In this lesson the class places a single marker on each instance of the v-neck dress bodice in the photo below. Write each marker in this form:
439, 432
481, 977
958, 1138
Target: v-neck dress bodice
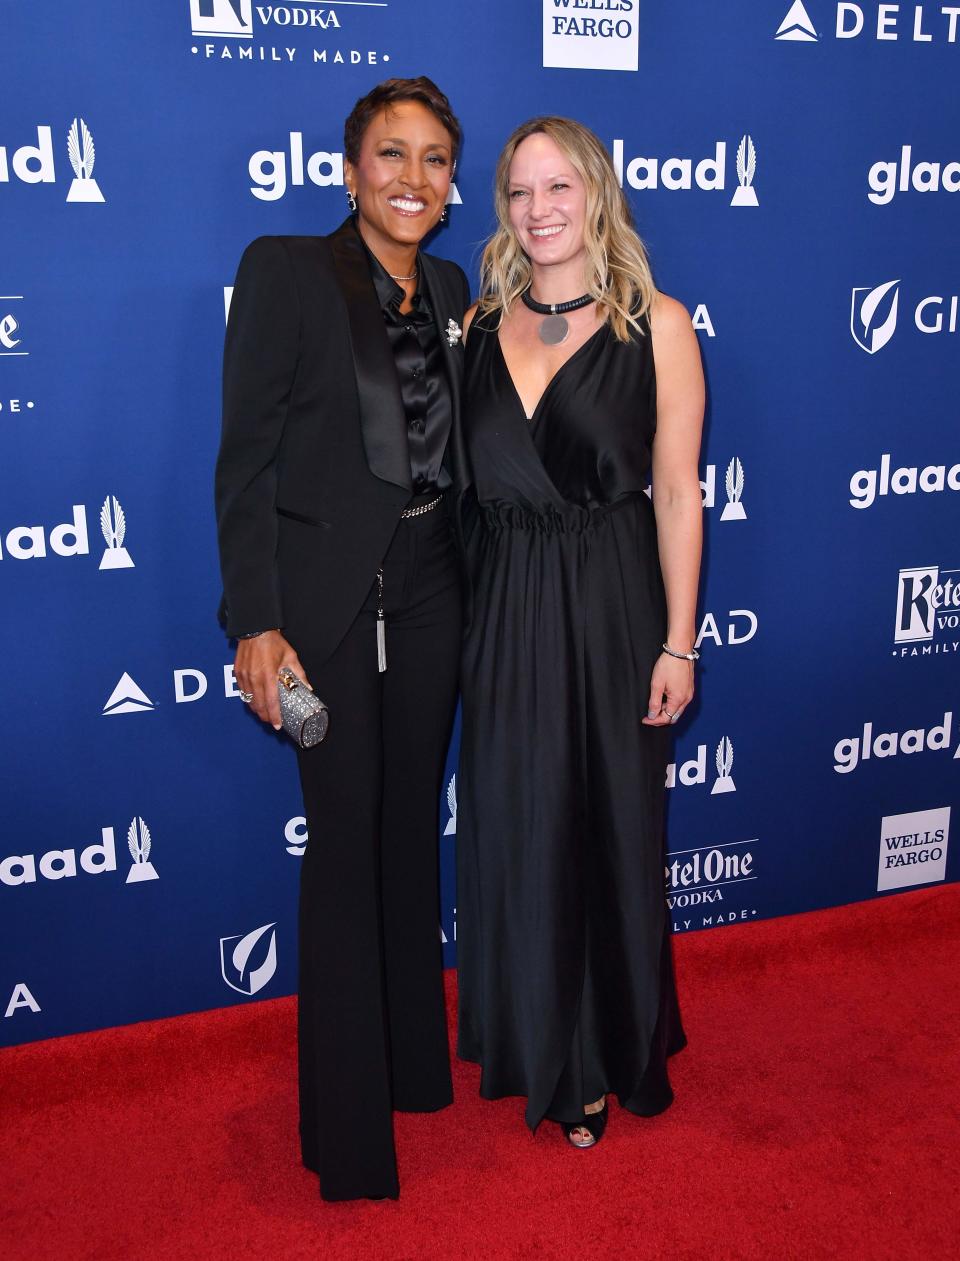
566, 984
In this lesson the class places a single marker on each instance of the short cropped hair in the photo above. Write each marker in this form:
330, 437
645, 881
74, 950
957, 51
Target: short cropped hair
391, 92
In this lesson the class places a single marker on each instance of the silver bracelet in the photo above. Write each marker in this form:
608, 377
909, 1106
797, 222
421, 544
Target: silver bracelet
692, 655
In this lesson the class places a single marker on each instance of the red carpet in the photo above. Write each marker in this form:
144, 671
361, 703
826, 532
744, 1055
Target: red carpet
816, 1116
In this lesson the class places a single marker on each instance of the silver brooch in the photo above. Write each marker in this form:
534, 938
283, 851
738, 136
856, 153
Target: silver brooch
454, 332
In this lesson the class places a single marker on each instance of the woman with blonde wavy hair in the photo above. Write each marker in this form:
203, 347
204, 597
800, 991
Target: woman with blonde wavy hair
582, 384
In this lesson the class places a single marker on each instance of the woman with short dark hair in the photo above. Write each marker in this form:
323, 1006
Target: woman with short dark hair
340, 443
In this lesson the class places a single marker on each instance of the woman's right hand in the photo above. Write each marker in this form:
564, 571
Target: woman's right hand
258, 663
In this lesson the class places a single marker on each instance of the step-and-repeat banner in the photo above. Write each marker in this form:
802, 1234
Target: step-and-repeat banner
794, 170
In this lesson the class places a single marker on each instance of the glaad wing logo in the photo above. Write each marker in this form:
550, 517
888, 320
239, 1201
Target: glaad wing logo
128, 698
451, 828
138, 843
797, 25
873, 315
114, 526
724, 760
745, 194
81, 153
238, 956
734, 509
229, 19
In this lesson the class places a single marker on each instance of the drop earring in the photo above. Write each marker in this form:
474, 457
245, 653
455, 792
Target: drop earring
443, 215
351, 202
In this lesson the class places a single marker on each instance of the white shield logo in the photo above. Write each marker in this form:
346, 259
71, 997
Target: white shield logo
249, 960
873, 315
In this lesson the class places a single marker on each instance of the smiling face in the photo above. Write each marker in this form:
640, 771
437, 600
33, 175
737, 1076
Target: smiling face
548, 204
401, 178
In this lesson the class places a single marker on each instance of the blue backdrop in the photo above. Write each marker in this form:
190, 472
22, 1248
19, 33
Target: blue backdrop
794, 171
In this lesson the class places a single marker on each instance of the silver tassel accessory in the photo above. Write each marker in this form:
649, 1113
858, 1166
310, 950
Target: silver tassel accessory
381, 626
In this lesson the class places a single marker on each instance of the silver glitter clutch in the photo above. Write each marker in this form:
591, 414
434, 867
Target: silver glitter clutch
304, 716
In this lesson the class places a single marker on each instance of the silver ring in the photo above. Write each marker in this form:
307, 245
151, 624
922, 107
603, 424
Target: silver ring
246, 697
675, 717
669, 715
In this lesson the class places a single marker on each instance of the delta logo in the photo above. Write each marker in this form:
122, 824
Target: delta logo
916, 23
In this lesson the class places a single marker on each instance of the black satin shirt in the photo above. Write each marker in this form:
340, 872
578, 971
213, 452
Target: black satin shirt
415, 343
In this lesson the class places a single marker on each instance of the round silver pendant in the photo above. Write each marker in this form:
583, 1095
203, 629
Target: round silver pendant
554, 330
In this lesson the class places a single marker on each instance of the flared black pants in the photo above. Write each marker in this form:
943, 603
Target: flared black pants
372, 1028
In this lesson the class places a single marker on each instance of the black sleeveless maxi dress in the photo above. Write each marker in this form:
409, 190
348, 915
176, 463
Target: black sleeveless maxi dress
565, 974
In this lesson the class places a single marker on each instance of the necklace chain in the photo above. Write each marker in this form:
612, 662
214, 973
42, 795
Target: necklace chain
413, 277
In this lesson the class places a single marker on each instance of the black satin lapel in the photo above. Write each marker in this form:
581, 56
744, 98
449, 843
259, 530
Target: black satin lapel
445, 301
382, 421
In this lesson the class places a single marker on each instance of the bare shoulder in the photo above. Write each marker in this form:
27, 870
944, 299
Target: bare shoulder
669, 318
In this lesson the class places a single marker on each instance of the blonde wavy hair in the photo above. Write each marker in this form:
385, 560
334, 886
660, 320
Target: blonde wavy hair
618, 272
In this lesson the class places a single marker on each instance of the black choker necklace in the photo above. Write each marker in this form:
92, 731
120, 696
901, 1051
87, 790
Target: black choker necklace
554, 329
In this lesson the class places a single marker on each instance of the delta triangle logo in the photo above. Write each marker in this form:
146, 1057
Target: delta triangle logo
797, 26
128, 698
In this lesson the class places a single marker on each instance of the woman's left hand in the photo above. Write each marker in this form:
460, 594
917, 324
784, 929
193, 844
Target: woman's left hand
671, 690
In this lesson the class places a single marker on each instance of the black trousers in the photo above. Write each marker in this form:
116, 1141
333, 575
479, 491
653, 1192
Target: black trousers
372, 1027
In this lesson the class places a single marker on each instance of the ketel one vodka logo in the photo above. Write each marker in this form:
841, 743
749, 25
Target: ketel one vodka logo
249, 960
927, 607
873, 315
227, 19
113, 524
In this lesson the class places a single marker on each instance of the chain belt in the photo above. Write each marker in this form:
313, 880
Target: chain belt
418, 512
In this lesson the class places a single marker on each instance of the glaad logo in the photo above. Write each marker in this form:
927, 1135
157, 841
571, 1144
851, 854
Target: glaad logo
925, 606
34, 164
451, 828
913, 848
849, 752
113, 525
249, 960
797, 25
29, 542
864, 488
128, 698
608, 39
873, 315
296, 836
885, 179
694, 771
733, 509
139, 844
708, 174
228, 19
61, 864
705, 876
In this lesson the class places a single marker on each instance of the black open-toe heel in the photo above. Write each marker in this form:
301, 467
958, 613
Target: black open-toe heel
593, 1122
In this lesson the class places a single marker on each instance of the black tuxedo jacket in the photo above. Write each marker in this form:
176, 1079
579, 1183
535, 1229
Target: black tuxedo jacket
314, 467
